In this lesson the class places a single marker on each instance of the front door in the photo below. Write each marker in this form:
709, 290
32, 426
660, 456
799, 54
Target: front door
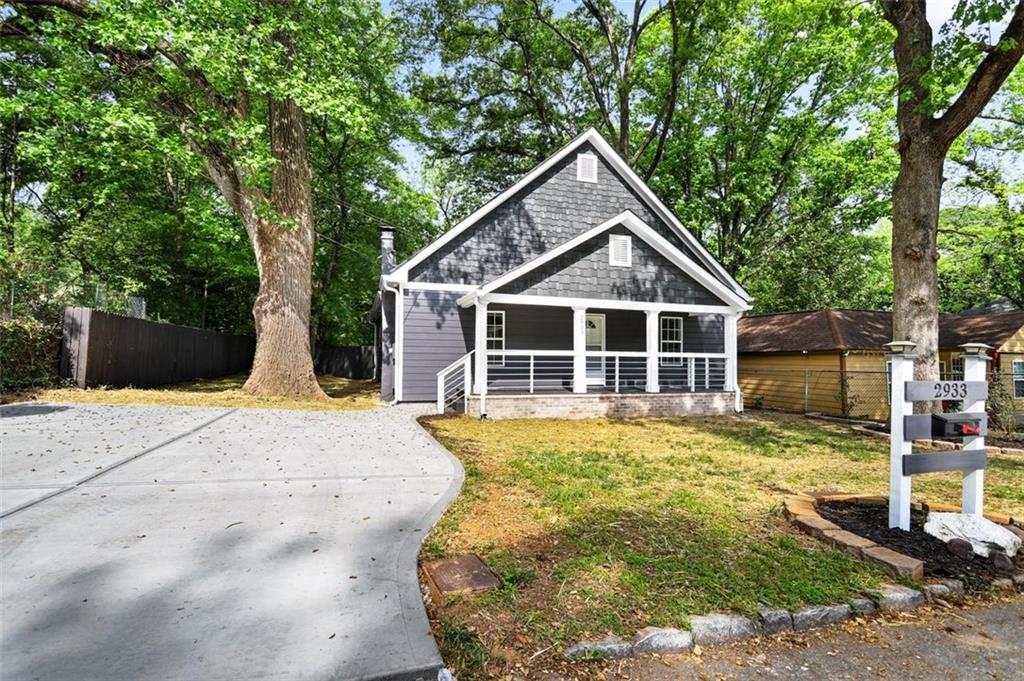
595, 343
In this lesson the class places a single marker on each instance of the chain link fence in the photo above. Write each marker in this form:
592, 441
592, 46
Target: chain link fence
855, 394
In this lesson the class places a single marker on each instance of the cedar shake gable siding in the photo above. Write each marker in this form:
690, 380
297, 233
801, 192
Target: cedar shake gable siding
550, 210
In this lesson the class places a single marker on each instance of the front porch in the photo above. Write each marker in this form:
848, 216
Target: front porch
635, 359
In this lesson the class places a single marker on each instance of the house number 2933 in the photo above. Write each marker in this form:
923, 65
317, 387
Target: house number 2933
952, 390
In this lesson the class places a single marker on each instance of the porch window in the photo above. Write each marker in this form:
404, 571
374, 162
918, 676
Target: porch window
1018, 379
671, 339
496, 336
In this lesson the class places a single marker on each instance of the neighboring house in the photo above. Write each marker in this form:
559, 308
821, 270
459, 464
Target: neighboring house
834, 361
575, 292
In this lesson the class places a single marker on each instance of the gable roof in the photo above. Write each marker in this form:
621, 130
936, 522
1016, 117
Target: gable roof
401, 273
629, 220
841, 330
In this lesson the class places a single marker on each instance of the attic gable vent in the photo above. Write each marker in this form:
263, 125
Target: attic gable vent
620, 250
586, 167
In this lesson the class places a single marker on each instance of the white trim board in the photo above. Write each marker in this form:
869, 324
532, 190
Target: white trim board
602, 304
401, 273
630, 221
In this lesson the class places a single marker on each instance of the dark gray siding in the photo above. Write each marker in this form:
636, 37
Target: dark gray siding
624, 330
584, 272
534, 327
547, 212
437, 332
704, 333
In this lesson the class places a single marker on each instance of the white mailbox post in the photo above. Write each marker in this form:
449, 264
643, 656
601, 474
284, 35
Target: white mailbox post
905, 426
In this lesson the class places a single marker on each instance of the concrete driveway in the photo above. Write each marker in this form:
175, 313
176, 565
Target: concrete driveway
178, 543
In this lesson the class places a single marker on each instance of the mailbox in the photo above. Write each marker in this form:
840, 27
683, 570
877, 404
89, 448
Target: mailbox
958, 425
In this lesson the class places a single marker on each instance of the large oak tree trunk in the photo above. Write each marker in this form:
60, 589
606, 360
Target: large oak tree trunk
915, 253
283, 364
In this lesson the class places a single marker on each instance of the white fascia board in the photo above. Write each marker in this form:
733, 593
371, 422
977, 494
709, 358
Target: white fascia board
668, 216
402, 271
603, 304
430, 286
643, 231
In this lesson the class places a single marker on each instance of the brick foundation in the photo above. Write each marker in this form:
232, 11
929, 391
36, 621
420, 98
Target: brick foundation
573, 406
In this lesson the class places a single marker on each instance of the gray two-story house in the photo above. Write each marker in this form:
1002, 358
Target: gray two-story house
575, 292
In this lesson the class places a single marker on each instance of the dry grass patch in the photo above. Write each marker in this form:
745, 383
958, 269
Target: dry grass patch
344, 394
605, 526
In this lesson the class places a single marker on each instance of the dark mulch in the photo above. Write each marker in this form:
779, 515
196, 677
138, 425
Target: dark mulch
872, 522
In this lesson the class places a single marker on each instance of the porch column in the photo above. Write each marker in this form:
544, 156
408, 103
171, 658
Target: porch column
653, 341
579, 349
731, 369
480, 344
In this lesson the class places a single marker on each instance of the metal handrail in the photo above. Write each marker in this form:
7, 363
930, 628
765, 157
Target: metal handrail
446, 396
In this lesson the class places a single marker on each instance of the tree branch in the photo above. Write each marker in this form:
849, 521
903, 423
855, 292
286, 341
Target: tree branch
986, 79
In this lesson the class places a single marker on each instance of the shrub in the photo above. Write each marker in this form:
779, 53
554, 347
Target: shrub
1000, 407
29, 351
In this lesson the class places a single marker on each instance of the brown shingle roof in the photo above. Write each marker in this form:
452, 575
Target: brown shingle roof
830, 329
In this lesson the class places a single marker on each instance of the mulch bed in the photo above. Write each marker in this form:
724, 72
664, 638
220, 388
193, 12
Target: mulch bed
872, 522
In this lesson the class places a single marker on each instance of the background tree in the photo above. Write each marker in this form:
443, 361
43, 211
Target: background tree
237, 80
760, 123
942, 88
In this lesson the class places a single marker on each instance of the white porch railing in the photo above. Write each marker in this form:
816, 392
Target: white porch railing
454, 383
531, 371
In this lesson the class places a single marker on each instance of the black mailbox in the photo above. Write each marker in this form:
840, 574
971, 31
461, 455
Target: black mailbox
957, 425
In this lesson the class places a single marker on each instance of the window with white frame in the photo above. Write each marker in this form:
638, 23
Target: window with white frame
943, 376
958, 368
671, 339
586, 167
496, 336
1018, 379
620, 250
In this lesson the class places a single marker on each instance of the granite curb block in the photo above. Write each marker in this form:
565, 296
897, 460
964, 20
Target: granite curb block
718, 628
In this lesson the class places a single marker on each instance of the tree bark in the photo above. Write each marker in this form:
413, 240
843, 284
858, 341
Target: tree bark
924, 142
283, 364
915, 253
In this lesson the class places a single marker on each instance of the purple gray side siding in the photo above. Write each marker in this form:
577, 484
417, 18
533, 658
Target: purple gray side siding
549, 211
436, 333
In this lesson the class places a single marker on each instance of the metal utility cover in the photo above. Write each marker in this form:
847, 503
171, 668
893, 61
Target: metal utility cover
460, 575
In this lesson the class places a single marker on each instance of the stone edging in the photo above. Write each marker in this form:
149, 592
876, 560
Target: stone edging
802, 511
718, 628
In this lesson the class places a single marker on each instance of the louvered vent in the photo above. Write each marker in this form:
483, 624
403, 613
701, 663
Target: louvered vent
620, 251
586, 168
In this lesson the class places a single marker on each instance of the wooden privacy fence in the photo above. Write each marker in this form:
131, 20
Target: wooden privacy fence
99, 348
346, 362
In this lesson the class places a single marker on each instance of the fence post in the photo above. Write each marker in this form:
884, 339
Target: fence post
975, 367
902, 359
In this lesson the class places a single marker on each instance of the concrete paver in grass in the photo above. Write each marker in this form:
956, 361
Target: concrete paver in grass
266, 544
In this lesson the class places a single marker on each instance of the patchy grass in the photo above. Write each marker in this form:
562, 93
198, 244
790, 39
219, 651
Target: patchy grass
606, 526
344, 393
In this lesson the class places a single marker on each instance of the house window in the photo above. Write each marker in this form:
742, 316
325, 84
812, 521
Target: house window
496, 336
943, 376
586, 167
620, 250
1018, 379
671, 339
958, 368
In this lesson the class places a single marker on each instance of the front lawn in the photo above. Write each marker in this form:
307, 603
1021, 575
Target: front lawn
344, 394
606, 526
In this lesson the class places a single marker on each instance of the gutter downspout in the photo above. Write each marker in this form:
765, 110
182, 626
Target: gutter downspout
398, 297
